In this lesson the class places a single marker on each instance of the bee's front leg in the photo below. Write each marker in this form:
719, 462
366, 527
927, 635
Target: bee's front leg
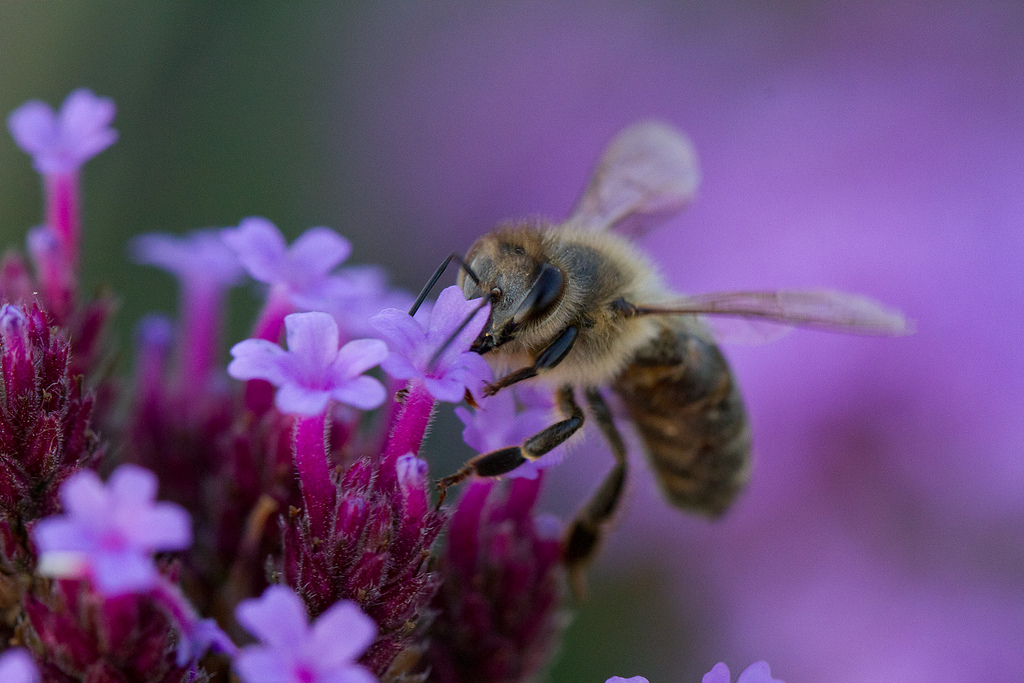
552, 355
504, 460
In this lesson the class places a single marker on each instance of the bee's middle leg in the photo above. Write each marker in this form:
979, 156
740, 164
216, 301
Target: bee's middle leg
504, 460
585, 532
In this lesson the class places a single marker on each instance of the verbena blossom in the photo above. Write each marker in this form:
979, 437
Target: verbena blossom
414, 340
302, 271
313, 370
507, 419
758, 672
199, 259
205, 268
60, 142
633, 679
294, 651
16, 666
109, 533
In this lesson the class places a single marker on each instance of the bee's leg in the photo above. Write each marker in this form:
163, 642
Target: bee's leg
585, 533
551, 356
504, 460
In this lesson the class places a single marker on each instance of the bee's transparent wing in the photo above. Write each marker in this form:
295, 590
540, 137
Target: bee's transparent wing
764, 314
647, 174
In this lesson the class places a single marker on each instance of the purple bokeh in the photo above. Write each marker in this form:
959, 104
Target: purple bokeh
867, 147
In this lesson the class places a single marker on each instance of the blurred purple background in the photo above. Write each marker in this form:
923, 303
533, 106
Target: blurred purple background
869, 148
857, 145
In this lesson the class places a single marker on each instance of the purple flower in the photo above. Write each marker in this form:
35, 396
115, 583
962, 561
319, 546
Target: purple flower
620, 679
60, 142
758, 672
293, 651
16, 666
111, 532
413, 341
302, 271
313, 370
357, 293
507, 419
199, 259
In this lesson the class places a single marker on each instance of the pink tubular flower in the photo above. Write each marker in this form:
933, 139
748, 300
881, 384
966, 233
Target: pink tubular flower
302, 271
110, 533
313, 370
758, 672
205, 268
413, 341
293, 651
16, 666
60, 142
199, 259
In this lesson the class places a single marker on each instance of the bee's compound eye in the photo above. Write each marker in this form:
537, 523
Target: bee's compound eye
496, 293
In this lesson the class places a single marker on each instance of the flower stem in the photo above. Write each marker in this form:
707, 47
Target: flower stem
259, 393
200, 334
62, 214
410, 423
318, 493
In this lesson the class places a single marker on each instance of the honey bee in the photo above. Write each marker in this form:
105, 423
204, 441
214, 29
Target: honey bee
577, 305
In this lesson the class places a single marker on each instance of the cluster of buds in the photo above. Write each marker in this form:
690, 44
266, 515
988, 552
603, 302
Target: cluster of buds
254, 528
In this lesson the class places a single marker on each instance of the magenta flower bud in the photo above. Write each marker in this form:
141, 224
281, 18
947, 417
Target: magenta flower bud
503, 628
46, 430
383, 530
54, 269
84, 636
16, 284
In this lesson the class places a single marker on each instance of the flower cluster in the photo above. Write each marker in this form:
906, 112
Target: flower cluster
261, 528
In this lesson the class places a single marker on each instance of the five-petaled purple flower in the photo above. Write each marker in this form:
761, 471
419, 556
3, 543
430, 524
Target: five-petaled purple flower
109, 533
507, 419
16, 666
200, 258
301, 272
293, 651
313, 370
413, 341
60, 142
758, 672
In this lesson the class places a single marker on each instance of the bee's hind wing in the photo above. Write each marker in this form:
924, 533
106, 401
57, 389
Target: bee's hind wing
647, 174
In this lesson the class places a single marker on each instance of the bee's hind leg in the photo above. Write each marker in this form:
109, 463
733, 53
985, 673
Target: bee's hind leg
585, 532
504, 460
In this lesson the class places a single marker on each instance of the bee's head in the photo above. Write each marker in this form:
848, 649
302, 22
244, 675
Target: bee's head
522, 285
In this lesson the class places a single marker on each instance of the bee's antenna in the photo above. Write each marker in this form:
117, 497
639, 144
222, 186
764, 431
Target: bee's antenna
437, 276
